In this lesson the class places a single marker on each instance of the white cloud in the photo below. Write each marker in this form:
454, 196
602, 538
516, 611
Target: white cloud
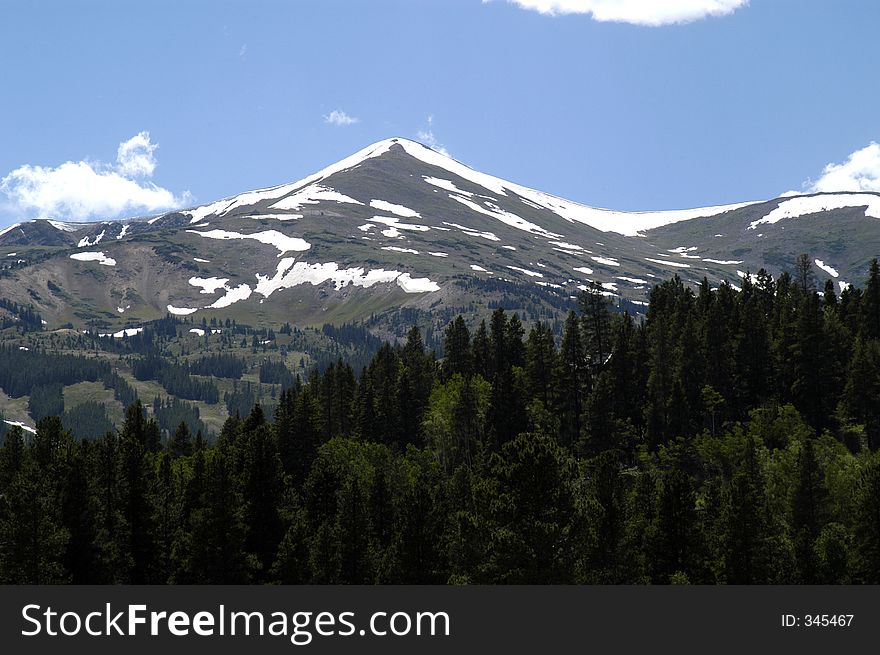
242, 51
860, 172
86, 190
638, 12
339, 117
137, 156
427, 137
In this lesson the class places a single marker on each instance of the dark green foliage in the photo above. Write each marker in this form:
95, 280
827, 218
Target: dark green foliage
272, 372
219, 366
46, 400
88, 420
25, 317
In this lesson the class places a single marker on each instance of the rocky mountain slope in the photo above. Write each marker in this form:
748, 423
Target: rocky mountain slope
399, 227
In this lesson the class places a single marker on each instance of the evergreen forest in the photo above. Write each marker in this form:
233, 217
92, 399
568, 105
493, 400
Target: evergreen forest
729, 436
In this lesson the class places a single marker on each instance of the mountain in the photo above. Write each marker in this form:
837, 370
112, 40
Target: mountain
399, 229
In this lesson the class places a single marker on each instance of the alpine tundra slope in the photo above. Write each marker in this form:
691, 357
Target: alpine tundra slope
399, 226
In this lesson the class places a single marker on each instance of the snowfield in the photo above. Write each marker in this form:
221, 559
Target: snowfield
397, 210
209, 284
291, 273
281, 241
232, 296
666, 262
181, 311
99, 257
85, 242
312, 195
526, 271
805, 205
828, 269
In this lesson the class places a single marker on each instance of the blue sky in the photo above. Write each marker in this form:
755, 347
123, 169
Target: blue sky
161, 103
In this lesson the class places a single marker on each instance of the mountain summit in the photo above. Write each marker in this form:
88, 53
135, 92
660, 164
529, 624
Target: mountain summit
398, 226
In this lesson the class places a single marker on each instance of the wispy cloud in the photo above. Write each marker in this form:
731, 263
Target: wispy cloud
242, 51
860, 172
427, 137
85, 190
137, 156
653, 13
339, 117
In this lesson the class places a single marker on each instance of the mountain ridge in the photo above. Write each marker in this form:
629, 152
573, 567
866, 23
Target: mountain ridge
399, 225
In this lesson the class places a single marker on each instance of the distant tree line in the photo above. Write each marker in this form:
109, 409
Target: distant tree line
23, 316
174, 378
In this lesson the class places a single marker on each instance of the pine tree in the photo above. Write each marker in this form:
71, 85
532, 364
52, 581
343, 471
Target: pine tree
870, 310
181, 442
79, 518
32, 538
596, 320
859, 401
677, 538
482, 352
540, 363
809, 512
572, 382
867, 524
415, 383
262, 489
457, 355
215, 550
136, 502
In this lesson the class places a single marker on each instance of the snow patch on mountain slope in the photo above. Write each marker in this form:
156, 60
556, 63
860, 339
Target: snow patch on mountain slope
566, 246
85, 242
526, 271
208, 284
128, 332
394, 222
281, 241
416, 285
446, 185
471, 232
312, 195
804, 205
181, 311
396, 249
726, 262
99, 257
21, 425
666, 262
12, 227
398, 210
291, 273
583, 269
124, 231
607, 261
232, 296
506, 217
828, 269
199, 213
58, 225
